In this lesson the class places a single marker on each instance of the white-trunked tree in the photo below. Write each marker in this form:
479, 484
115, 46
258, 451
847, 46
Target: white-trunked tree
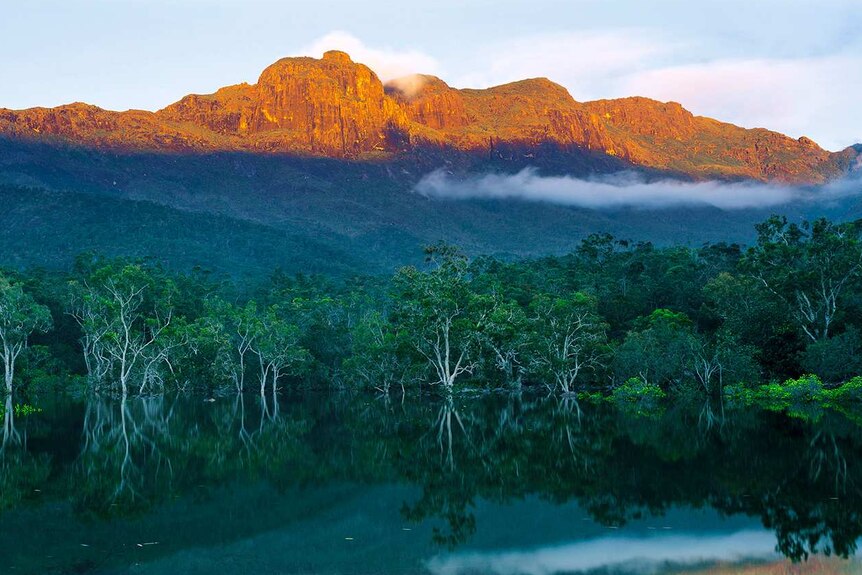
125, 312
20, 317
439, 314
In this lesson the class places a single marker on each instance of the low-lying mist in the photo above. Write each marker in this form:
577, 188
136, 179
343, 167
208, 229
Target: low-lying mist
629, 189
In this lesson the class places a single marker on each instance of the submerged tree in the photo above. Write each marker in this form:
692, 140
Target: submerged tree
505, 338
232, 331
377, 359
277, 346
567, 340
20, 316
125, 314
439, 314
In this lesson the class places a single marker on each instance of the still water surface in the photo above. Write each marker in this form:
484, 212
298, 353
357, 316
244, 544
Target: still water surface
498, 483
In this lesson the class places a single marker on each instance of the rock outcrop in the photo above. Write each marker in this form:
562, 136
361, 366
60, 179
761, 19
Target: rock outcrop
337, 108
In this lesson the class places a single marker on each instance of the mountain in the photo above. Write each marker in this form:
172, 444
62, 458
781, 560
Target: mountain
313, 169
335, 108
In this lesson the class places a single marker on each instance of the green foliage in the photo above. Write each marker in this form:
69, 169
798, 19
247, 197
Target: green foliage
836, 358
276, 343
439, 315
505, 341
802, 396
809, 268
692, 322
636, 395
20, 317
806, 389
850, 392
567, 341
659, 349
25, 409
378, 358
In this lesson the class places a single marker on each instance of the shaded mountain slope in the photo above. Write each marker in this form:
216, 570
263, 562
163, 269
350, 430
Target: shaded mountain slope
246, 214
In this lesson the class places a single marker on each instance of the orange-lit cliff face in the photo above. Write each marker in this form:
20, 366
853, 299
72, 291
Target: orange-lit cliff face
337, 108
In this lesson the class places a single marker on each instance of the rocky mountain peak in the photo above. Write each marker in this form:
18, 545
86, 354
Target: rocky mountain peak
336, 107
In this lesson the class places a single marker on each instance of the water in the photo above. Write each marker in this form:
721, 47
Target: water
352, 483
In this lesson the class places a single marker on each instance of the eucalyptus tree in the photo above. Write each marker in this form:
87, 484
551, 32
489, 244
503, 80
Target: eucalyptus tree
377, 358
439, 315
20, 317
505, 338
750, 316
10, 434
125, 313
568, 340
233, 331
659, 350
276, 343
810, 267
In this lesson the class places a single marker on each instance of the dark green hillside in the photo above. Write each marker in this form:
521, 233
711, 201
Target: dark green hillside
241, 213
45, 228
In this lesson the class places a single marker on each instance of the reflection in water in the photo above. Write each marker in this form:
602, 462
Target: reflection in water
131, 466
444, 430
11, 437
126, 448
622, 555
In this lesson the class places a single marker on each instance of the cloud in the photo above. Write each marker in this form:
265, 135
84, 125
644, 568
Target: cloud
619, 190
614, 554
849, 186
409, 85
387, 63
586, 62
815, 97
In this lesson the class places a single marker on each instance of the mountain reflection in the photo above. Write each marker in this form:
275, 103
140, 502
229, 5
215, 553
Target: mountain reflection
622, 555
123, 464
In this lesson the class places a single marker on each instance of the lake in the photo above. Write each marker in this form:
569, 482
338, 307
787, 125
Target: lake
498, 483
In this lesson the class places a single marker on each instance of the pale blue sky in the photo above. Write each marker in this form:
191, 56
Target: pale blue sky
794, 66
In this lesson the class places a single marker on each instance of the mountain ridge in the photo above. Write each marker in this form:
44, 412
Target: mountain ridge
333, 107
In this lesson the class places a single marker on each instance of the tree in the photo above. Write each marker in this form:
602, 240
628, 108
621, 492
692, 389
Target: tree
752, 318
808, 267
716, 363
436, 312
20, 316
505, 335
568, 339
232, 330
659, 350
125, 312
276, 344
376, 357
323, 313
836, 359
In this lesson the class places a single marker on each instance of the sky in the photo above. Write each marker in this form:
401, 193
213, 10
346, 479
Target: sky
794, 65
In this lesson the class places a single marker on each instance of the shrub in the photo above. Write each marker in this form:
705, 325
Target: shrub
849, 392
639, 394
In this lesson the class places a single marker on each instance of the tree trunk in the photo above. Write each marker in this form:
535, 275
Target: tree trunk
9, 356
8, 378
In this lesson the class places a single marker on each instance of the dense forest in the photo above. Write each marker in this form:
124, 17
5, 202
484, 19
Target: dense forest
778, 321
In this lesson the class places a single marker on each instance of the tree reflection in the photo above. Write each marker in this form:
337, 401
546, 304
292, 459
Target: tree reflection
11, 436
800, 477
22, 473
